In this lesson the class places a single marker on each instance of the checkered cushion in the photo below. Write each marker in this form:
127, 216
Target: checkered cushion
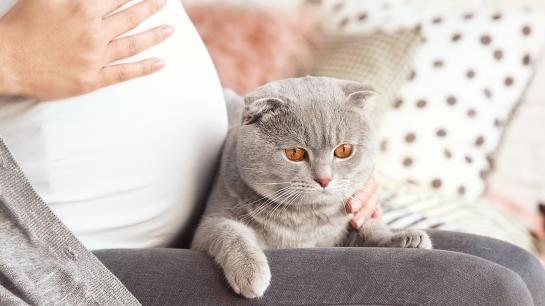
380, 59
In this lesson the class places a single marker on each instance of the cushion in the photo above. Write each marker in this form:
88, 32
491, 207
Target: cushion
252, 45
352, 49
445, 135
520, 170
380, 59
409, 205
468, 76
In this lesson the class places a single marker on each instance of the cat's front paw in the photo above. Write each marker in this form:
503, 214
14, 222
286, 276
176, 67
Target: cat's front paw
409, 238
249, 277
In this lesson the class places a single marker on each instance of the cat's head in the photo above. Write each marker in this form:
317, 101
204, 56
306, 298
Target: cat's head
307, 140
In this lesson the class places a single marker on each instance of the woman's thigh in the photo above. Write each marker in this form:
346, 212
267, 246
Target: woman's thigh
361, 276
526, 265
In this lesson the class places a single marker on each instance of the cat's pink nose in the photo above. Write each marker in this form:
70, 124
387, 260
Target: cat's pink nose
323, 181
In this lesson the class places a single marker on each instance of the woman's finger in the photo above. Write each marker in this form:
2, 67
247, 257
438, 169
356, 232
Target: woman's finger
353, 205
128, 46
369, 207
128, 19
108, 6
377, 214
361, 197
363, 214
120, 73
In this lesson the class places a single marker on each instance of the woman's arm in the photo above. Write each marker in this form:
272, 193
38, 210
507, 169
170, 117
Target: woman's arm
63, 48
41, 261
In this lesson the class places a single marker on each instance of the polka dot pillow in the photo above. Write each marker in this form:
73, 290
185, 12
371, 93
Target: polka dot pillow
471, 70
356, 17
468, 75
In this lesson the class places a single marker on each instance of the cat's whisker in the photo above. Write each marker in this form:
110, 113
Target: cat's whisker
301, 199
289, 199
277, 183
281, 200
285, 203
270, 214
248, 168
268, 202
260, 206
297, 195
283, 209
273, 194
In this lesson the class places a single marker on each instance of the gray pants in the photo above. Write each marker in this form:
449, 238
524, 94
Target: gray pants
463, 270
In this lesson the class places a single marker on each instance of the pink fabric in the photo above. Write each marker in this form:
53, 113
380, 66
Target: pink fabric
252, 46
535, 222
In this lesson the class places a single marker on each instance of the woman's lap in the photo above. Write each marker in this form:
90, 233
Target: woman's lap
490, 272
526, 265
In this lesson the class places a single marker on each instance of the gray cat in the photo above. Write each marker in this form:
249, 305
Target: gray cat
304, 147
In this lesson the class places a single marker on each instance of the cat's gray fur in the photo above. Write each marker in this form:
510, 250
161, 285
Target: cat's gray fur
261, 200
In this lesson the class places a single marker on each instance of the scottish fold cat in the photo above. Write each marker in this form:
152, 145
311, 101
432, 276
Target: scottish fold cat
303, 148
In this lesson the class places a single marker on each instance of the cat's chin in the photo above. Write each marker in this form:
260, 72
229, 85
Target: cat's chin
326, 198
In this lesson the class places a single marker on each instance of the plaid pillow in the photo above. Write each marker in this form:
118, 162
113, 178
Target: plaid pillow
379, 59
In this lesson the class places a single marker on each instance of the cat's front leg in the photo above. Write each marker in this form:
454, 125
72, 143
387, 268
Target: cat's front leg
374, 233
234, 247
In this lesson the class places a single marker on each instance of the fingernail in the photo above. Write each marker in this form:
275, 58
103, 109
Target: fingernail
354, 224
168, 30
161, 2
158, 65
360, 221
356, 204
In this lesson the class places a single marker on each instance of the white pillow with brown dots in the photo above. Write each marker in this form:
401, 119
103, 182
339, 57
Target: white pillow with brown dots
468, 77
356, 17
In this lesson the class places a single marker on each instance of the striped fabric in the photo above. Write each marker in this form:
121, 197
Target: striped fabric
409, 205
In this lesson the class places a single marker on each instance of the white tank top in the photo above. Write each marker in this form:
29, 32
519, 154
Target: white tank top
123, 167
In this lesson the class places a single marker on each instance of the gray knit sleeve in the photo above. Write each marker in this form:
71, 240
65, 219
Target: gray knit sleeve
41, 262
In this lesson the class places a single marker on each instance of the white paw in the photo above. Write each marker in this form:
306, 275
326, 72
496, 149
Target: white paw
410, 238
249, 277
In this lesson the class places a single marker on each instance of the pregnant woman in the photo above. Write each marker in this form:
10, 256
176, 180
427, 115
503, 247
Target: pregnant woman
120, 163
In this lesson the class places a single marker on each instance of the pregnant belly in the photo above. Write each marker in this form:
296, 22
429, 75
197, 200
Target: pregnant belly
126, 165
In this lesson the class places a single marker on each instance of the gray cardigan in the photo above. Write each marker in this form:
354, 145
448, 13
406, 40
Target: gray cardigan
41, 261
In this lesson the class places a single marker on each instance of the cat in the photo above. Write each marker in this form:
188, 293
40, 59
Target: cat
304, 147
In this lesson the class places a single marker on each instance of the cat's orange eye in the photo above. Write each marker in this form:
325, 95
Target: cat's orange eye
295, 154
343, 151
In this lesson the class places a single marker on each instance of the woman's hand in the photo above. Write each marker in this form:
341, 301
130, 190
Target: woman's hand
51, 49
364, 204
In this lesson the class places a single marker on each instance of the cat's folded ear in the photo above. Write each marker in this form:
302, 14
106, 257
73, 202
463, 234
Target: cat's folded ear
259, 108
359, 96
